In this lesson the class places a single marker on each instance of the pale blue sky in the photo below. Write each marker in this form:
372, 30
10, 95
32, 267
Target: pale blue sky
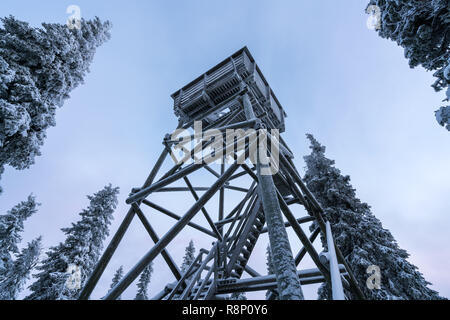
335, 78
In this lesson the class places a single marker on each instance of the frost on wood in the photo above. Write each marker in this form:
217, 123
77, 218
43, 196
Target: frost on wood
39, 67
422, 28
82, 247
360, 235
283, 262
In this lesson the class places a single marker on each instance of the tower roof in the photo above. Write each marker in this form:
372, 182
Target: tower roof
214, 93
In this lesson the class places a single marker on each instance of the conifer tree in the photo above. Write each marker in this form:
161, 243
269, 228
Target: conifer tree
117, 277
81, 248
11, 226
2, 169
39, 67
422, 29
16, 277
360, 235
143, 283
238, 296
189, 257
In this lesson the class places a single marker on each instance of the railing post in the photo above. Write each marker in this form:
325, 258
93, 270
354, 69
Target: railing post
336, 281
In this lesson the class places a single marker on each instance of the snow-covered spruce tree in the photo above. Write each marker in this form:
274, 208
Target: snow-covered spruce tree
360, 235
39, 67
117, 277
143, 283
16, 277
270, 270
82, 248
189, 257
11, 226
422, 28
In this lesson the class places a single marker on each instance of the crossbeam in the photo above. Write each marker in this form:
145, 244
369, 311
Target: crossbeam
232, 95
308, 276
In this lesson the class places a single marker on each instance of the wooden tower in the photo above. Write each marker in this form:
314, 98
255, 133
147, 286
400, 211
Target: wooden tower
231, 96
